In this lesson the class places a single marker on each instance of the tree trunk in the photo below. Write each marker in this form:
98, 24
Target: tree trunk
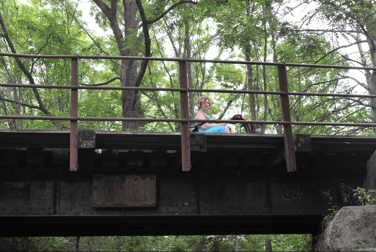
187, 50
155, 241
265, 84
249, 70
17, 106
236, 243
77, 243
130, 100
370, 76
372, 79
268, 245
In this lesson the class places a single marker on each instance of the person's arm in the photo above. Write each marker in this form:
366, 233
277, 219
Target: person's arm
207, 126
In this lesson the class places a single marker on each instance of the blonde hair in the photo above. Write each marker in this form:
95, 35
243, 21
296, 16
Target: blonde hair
200, 100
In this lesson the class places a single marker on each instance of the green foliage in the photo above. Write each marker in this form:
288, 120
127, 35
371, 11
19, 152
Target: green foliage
251, 30
159, 243
329, 217
365, 197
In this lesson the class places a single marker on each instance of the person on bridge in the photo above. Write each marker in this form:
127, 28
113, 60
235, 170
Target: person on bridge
203, 104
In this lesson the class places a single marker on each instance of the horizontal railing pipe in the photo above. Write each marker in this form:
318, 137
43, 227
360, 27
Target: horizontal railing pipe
236, 91
239, 121
135, 119
181, 89
331, 94
184, 59
335, 124
182, 120
133, 88
36, 86
129, 119
58, 118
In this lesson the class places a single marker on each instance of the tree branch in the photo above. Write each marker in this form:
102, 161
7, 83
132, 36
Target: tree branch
101, 84
314, 30
359, 83
22, 104
147, 40
87, 33
368, 36
111, 16
358, 101
160, 108
336, 49
171, 40
167, 11
22, 67
348, 59
228, 105
207, 42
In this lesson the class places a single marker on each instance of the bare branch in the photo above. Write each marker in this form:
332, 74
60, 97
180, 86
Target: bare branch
228, 106
171, 40
207, 42
359, 83
22, 104
368, 36
147, 42
87, 33
168, 10
336, 49
159, 106
358, 101
314, 30
352, 60
101, 84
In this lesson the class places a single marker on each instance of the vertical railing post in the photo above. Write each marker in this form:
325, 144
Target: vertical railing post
74, 113
185, 143
286, 116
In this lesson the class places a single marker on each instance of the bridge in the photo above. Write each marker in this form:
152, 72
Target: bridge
83, 182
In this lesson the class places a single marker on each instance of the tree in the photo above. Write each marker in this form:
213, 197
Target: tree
354, 20
33, 29
124, 23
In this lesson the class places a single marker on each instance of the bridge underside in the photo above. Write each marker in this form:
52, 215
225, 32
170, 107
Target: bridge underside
132, 183
158, 225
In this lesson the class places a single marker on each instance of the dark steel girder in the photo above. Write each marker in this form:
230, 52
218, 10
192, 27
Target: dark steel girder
157, 225
237, 183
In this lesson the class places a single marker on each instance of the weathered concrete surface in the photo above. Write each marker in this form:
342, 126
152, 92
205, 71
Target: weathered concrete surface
352, 229
370, 181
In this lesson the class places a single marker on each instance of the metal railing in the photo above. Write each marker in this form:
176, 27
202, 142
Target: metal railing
184, 90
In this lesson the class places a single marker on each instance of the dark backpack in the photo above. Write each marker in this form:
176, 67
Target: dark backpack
249, 127
193, 126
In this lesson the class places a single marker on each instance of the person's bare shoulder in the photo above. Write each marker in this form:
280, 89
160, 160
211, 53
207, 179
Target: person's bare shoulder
200, 116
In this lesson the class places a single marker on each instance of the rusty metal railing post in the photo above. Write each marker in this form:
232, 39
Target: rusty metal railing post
74, 113
286, 116
184, 129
